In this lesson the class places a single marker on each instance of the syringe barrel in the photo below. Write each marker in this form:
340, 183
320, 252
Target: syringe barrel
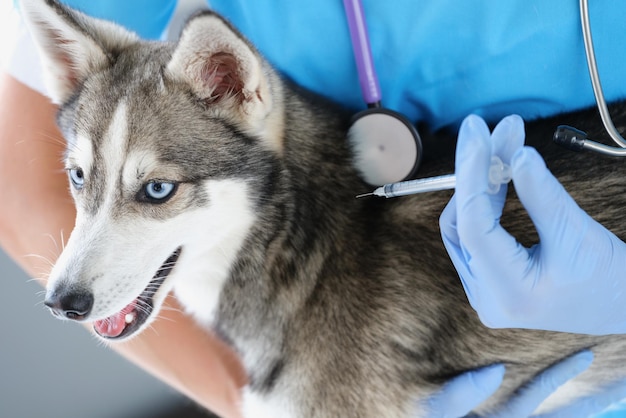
499, 173
431, 184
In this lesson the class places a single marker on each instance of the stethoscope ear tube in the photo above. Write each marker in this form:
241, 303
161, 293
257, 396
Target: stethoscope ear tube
570, 138
575, 139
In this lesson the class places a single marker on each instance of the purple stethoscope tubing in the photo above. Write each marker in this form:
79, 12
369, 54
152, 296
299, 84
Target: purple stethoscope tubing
368, 79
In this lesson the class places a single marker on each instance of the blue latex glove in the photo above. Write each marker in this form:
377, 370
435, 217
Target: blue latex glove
572, 281
464, 393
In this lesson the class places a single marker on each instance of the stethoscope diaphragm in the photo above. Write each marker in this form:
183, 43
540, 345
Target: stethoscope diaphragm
386, 146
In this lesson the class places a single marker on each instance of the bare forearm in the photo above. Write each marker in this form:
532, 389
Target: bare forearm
37, 215
192, 361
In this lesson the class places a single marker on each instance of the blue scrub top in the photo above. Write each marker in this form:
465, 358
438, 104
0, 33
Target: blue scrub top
437, 60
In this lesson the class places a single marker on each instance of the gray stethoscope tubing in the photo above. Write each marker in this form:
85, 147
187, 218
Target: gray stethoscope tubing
575, 139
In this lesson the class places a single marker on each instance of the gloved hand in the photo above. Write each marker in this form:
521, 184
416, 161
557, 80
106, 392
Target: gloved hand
465, 392
572, 281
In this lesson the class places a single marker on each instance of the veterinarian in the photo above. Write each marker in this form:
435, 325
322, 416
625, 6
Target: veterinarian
438, 61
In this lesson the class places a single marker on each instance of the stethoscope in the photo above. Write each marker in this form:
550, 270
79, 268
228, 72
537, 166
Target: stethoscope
386, 145
576, 139
388, 148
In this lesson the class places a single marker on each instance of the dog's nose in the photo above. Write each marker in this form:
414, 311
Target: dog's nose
70, 304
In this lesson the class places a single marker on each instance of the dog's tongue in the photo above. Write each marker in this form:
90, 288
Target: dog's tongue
114, 325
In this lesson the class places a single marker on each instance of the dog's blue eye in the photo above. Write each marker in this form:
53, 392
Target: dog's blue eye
77, 177
158, 191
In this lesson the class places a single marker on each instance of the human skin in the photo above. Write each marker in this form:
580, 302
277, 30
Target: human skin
37, 215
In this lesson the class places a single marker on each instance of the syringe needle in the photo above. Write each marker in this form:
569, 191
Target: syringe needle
404, 188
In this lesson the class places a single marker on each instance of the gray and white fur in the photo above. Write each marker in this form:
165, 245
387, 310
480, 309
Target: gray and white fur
337, 307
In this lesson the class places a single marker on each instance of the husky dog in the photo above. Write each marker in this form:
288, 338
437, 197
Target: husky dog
196, 169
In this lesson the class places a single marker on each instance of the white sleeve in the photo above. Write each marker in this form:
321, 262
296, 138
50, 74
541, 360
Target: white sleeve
18, 54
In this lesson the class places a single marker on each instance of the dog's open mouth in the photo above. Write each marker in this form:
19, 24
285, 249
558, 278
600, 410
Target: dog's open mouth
135, 314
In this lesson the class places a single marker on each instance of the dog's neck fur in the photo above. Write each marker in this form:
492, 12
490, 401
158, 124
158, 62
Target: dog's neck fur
280, 261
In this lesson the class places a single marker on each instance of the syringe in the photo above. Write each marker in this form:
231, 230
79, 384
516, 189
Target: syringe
499, 173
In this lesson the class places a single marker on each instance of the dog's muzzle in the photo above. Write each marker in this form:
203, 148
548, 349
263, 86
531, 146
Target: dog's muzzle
75, 303
125, 322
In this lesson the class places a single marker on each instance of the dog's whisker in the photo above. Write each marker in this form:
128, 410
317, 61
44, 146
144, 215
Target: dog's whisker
152, 289
38, 304
101, 342
140, 303
39, 278
40, 257
152, 329
166, 265
54, 241
145, 308
47, 138
171, 309
62, 241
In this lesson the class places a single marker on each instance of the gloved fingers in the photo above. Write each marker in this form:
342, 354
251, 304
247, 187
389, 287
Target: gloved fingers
508, 137
477, 217
543, 385
555, 214
447, 223
464, 393
473, 157
473, 218
592, 404
450, 238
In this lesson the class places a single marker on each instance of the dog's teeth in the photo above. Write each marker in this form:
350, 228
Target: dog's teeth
130, 317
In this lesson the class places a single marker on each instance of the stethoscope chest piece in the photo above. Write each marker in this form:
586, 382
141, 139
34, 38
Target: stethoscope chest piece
386, 146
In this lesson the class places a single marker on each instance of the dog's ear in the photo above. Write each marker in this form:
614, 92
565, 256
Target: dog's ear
224, 71
71, 44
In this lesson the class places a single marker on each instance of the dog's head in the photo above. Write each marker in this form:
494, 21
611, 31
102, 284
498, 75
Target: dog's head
167, 145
